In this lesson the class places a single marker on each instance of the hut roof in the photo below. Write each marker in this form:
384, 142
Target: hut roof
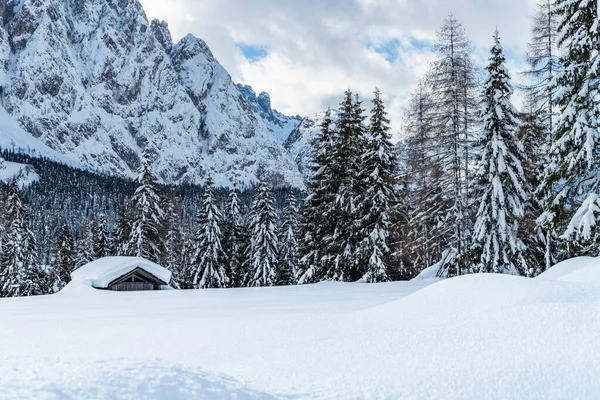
102, 272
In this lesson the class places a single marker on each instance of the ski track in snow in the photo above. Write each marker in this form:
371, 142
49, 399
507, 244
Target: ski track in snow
474, 337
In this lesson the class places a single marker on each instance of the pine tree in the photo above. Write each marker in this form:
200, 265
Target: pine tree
173, 244
85, 245
63, 259
452, 80
287, 268
375, 200
19, 273
144, 241
500, 177
537, 240
210, 266
120, 245
233, 238
572, 179
263, 252
425, 233
543, 60
101, 238
320, 195
341, 239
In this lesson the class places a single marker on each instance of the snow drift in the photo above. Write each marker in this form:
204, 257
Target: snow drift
473, 337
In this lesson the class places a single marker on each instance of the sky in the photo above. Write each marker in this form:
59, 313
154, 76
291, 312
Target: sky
306, 53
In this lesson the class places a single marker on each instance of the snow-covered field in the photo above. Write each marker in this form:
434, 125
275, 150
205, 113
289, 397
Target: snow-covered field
473, 337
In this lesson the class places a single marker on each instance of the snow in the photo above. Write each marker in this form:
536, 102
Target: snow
24, 173
471, 337
100, 273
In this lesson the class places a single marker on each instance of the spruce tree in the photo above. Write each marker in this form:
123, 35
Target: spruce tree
377, 176
233, 238
147, 215
101, 239
120, 244
19, 273
85, 245
572, 180
63, 259
500, 179
209, 265
172, 242
287, 268
320, 195
263, 251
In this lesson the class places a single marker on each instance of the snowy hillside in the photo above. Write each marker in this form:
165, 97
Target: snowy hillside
299, 142
23, 173
473, 337
95, 81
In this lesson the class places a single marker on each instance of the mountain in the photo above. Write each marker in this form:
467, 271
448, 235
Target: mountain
279, 125
300, 141
94, 81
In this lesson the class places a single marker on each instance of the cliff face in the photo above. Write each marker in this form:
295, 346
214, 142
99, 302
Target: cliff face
95, 81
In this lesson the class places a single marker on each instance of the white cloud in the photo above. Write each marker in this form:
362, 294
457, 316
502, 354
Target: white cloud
320, 48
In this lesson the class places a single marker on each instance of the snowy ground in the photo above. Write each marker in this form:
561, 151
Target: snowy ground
474, 337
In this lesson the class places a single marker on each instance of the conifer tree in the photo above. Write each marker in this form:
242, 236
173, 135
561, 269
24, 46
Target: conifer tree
343, 234
320, 195
500, 181
377, 197
173, 244
287, 268
19, 273
144, 241
263, 251
63, 259
572, 178
101, 238
543, 60
233, 238
120, 245
452, 80
85, 245
209, 265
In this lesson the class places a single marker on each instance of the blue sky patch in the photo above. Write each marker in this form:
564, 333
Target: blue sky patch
391, 49
253, 53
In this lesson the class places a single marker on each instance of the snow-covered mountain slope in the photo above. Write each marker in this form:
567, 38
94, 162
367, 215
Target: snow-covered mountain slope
498, 336
299, 142
279, 125
94, 80
24, 174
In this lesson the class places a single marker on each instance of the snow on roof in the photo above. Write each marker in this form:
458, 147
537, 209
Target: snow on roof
101, 272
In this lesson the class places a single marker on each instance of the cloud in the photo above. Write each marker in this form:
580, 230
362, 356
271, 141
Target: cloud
306, 53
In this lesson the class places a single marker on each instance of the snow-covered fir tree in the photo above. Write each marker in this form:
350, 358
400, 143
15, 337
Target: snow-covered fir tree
287, 268
340, 241
173, 244
210, 264
320, 194
263, 251
85, 245
101, 238
120, 241
147, 214
234, 238
19, 272
539, 242
500, 181
572, 177
63, 259
377, 177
